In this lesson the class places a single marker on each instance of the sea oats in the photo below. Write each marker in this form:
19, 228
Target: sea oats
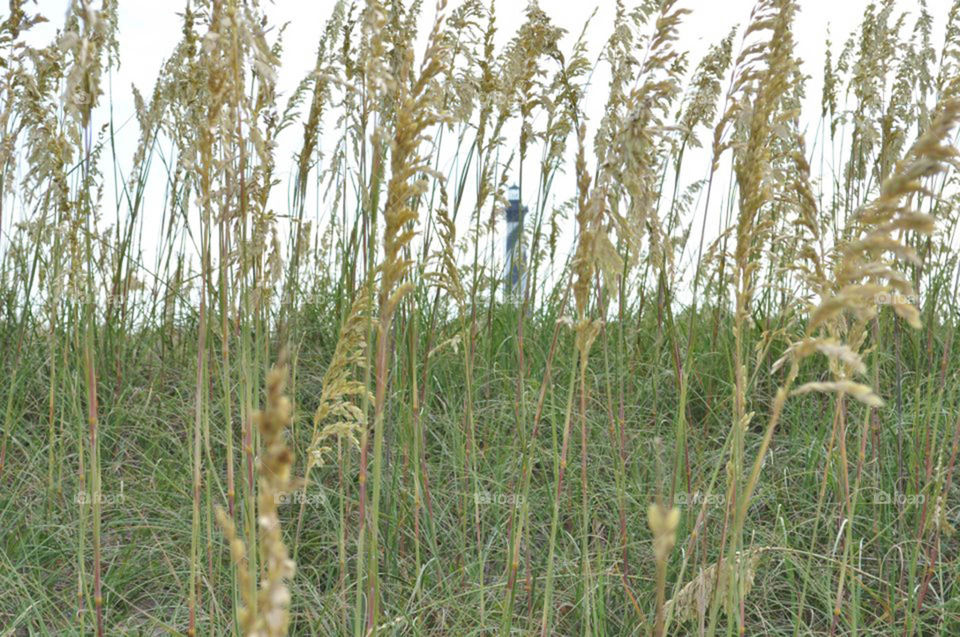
267, 614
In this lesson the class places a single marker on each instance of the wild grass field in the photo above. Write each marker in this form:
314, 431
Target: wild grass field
721, 398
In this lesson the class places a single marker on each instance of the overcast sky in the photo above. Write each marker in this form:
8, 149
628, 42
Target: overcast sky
149, 29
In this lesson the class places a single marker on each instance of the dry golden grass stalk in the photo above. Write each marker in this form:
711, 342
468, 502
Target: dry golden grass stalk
690, 603
446, 274
339, 415
701, 105
275, 464
859, 391
595, 252
238, 554
268, 614
866, 273
632, 140
416, 112
663, 524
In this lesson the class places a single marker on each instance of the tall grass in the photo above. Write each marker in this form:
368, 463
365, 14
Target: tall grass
737, 319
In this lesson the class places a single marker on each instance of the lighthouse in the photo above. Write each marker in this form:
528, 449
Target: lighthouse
514, 274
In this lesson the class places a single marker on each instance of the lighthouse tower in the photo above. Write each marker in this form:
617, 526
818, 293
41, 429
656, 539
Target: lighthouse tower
514, 271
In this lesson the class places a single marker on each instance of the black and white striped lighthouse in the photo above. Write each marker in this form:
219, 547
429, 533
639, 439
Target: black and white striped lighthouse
514, 270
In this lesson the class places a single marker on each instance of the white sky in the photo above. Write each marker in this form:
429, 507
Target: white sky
150, 28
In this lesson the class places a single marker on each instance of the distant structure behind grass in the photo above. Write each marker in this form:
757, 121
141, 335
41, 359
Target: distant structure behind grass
515, 274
